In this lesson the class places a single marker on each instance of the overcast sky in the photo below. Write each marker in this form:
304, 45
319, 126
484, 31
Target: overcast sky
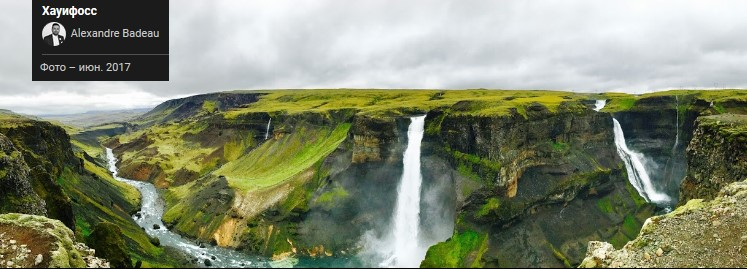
633, 46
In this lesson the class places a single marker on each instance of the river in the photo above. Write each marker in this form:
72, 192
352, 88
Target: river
149, 218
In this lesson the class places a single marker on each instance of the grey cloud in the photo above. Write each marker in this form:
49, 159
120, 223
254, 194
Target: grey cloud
570, 45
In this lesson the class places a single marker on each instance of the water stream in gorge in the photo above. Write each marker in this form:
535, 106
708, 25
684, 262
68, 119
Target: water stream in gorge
150, 215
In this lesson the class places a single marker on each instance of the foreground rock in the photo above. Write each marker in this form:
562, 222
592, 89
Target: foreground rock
698, 234
716, 156
36, 241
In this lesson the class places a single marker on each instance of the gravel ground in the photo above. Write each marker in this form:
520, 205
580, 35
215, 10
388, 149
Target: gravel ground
698, 234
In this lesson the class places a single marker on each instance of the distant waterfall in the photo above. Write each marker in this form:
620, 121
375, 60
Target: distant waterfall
267, 132
677, 123
599, 105
637, 174
406, 249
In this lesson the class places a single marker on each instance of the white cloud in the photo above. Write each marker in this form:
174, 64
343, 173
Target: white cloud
62, 102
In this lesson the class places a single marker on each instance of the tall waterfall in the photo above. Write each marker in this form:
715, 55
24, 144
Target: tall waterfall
637, 174
406, 249
599, 105
267, 132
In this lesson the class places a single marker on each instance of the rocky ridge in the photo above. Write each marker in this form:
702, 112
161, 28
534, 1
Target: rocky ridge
698, 234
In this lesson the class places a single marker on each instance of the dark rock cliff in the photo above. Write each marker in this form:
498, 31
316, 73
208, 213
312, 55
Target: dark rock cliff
716, 156
16, 194
502, 148
520, 175
46, 150
660, 128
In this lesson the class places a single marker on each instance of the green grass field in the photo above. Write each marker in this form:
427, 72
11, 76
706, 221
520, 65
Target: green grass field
399, 102
278, 160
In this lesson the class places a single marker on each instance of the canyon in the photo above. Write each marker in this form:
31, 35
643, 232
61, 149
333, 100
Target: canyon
316, 178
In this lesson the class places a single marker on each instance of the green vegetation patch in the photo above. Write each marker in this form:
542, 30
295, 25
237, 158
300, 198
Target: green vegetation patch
329, 199
101, 198
188, 145
619, 104
400, 102
106, 239
490, 206
473, 166
631, 226
560, 256
278, 160
723, 100
560, 146
605, 205
210, 106
727, 125
461, 250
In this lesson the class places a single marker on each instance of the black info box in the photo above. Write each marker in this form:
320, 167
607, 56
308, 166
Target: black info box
100, 40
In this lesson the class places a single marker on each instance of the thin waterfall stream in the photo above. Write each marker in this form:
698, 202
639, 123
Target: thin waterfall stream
267, 132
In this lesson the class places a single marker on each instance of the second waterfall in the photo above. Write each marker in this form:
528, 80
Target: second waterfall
637, 174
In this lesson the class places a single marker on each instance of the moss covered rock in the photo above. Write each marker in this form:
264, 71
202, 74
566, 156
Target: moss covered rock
16, 193
461, 250
46, 243
47, 151
716, 156
107, 239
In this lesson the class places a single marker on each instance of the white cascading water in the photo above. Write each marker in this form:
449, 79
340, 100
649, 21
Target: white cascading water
677, 123
267, 132
637, 174
599, 105
406, 250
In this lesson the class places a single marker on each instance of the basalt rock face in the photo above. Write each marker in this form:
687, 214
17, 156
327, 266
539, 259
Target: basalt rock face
523, 175
46, 151
549, 146
16, 194
660, 128
374, 140
716, 156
